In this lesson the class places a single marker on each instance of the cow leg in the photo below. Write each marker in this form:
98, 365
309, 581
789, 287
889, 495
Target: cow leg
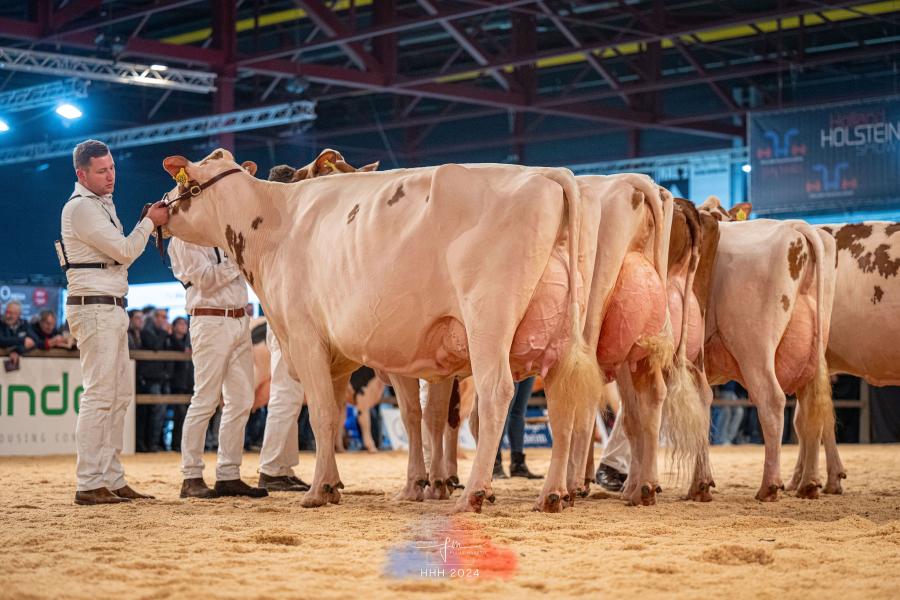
835, 467
700, 490
582, 443
321, 396
649, 392
435, 417
407, 390
451, 458
627, 423
798, 467
765, 392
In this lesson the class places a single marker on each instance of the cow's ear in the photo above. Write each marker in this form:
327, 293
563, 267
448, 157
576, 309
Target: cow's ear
249, 166
371, 166
740, 211
300, 174
322, 161
173, 164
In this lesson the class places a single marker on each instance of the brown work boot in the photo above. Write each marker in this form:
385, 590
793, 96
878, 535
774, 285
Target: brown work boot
99, 496
236, 487
196, 488
281, 484
130, 494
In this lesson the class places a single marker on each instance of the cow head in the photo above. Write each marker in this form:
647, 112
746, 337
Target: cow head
739, 212
329, 162
194, 218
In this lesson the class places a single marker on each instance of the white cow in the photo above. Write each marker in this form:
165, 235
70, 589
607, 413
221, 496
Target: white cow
428, 273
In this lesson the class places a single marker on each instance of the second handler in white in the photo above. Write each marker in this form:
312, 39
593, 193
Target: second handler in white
223, 364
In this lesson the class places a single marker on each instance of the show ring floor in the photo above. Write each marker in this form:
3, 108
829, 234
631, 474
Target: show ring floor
734, 547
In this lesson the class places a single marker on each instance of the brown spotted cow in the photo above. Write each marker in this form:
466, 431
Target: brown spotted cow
864, 323
767, 327
419, 272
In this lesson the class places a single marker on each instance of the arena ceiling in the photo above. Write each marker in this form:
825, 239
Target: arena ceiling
424, 80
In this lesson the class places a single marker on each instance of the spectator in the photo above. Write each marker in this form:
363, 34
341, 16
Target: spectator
45, 333
726, 420
135, 326
248, 310
153, 378
14, 332
182, 381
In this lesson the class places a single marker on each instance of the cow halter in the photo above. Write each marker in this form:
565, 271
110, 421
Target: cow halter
191, 187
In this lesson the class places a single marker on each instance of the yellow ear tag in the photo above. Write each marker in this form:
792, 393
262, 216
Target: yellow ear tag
741, 215
330, 165
181, 177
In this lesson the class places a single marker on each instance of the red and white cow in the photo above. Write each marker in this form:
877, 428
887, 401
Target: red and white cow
864, 319
422, 273
767, 326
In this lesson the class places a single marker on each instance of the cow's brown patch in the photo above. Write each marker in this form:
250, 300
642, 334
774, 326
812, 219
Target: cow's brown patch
709, 243
397, 195
796, 258
785, 303
256, 222
427, 198
848, 238
352, 214
637, 198
892, 228
237, 244
878, 295
828, 229
880, 261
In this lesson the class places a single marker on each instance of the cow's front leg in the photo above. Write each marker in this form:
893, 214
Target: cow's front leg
436, 416
315, 373
407, 390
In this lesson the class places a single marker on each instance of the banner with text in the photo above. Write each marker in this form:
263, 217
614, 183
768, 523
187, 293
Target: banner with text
829, 158
39, 406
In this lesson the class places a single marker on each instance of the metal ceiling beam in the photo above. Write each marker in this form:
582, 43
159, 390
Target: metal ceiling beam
47, 94
328, 22
155, 7
72, 11
32, 61
242, 120
397, 27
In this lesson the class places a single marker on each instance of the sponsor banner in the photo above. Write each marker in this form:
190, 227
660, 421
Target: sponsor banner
841, 157
395, 430
39, 406
33, 298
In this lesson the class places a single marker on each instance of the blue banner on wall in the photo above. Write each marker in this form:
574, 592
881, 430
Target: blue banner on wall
829, 158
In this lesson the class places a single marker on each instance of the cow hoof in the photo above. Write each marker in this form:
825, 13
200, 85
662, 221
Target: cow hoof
793, 484
834, 484
809, 491
643, 496
411, 492
437, 491
701, 491
552, 503
314, 499
769, 493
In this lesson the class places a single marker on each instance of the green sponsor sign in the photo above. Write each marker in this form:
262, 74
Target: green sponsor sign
54, 399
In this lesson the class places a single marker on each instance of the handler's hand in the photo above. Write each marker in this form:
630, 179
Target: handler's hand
159, 214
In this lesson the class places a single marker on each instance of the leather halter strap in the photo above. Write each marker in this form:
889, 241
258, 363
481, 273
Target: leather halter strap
194, 188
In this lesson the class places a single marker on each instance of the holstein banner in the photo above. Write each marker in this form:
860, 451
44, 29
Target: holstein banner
39, 405
830, 158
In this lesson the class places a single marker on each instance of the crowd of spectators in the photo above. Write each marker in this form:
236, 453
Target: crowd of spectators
20, 336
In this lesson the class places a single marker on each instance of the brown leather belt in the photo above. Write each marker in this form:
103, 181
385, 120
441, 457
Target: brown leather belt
237, 313
82, 300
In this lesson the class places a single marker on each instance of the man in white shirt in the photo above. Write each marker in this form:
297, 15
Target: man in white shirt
95, 256
223, 365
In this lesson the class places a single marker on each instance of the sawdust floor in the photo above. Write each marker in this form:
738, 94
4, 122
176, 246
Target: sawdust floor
735, 547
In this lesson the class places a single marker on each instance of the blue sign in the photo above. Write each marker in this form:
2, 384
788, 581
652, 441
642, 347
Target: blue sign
829, 158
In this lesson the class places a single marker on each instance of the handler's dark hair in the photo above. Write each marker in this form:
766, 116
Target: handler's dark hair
86, 150
282, 173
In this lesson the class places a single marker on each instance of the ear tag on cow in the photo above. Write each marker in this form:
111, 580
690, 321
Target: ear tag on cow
181, 177
330, 165
741, 215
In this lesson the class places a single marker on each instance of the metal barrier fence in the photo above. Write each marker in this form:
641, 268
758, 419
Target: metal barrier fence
861, 404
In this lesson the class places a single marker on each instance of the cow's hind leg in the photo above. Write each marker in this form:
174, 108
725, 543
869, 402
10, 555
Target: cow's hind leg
702, 482
766, 393
835, 467
407, 390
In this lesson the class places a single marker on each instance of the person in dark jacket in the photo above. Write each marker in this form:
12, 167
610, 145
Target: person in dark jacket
153, 376
14, 332
182, 381
45, 333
